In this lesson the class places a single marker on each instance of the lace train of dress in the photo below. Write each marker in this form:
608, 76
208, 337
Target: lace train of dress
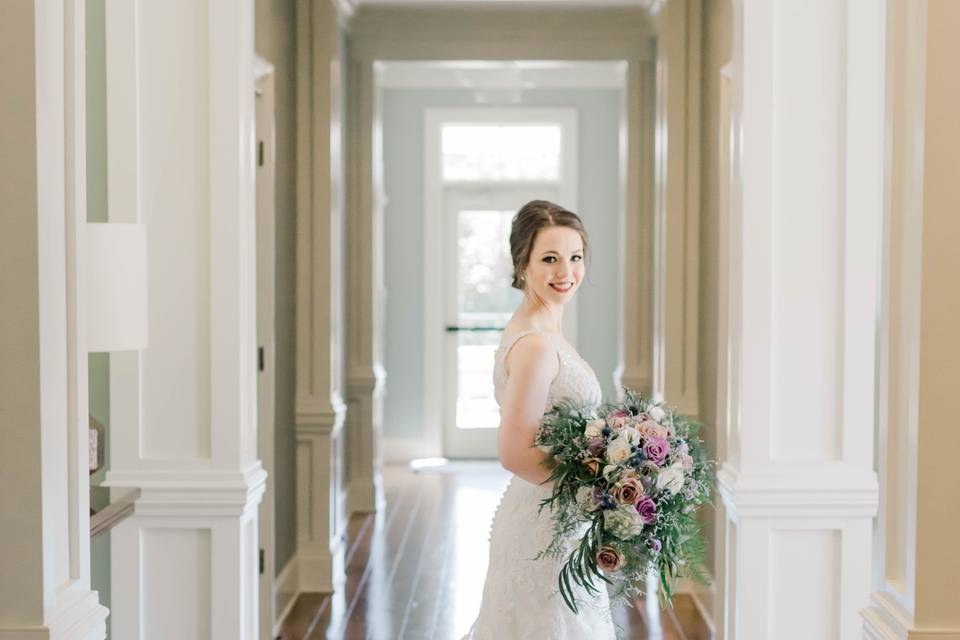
521, 598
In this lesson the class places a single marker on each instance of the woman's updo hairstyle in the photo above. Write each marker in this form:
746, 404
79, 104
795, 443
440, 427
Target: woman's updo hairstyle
529, 220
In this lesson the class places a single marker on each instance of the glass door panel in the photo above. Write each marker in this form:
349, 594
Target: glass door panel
478, 303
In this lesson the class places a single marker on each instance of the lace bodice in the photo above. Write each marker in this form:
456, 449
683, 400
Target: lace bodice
520, 596
575, 379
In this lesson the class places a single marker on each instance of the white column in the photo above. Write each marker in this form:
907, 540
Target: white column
180, 109
798, 488
44, 504
674, 246
915, 592
635, 343
366, 376
320, 408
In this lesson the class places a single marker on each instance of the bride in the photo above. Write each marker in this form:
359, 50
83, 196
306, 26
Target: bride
535, 367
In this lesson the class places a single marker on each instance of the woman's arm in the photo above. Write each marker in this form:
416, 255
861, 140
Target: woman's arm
533, 366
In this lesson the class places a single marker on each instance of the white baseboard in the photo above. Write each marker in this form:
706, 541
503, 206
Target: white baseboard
398, 449
886, 619
286, 590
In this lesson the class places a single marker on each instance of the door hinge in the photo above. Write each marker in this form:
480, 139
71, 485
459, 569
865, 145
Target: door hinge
261, 561
260, 359
260, 153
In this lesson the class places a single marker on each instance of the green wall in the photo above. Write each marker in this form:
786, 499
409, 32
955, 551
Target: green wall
98, 363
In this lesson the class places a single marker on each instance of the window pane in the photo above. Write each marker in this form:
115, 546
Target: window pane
485, 299
501, 152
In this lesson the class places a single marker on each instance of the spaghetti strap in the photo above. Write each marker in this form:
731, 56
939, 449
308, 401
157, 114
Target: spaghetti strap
505, 348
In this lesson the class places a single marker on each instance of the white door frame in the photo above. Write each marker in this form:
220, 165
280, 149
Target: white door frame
266, 332
437, 341
439, 34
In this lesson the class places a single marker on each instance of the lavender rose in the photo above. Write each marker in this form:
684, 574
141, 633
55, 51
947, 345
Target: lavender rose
609, 558
656, 449
596, 446
655, 545
647, 510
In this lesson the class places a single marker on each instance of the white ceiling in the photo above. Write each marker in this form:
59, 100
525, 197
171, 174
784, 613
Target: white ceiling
580, 3
501, 75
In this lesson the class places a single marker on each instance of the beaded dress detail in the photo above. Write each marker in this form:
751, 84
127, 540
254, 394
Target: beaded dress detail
521, 598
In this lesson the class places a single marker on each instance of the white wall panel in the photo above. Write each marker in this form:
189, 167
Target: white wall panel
805, 590
805, 212
180, 103
807, 229
174, 132
176, 595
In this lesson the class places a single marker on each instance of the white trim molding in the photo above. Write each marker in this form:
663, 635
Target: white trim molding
489, 32
915, 581
320, 407
673, 294
286, 590
45, 547
183, 410
799, 291
438, 237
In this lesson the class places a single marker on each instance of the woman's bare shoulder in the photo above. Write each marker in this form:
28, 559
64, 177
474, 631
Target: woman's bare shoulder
535, 350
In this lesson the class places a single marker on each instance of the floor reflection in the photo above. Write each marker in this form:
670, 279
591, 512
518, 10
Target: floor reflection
416, 570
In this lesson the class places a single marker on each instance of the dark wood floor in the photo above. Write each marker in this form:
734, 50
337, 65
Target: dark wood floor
416, 570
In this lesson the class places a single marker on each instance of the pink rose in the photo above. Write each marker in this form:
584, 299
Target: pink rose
627, 491
618, 419
648, 428
609, 558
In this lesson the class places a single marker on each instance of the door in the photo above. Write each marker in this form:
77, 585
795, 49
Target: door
478, 301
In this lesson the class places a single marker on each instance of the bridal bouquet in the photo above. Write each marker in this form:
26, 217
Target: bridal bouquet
631, 474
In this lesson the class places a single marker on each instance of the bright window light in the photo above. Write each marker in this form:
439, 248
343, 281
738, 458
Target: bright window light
501, 152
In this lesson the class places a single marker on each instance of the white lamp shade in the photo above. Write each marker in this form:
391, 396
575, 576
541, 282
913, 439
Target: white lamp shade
115, 284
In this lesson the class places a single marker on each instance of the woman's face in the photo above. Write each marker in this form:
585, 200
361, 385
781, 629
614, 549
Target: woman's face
556, 264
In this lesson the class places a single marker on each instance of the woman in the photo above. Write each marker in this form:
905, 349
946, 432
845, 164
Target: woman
535, 367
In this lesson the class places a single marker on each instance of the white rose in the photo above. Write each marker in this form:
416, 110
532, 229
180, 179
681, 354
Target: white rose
585, 499
595, 428
632, 435
657, 413
610, 470
624, 522
618, 451
671, 479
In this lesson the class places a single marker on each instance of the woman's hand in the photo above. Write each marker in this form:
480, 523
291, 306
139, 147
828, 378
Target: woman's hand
534, 364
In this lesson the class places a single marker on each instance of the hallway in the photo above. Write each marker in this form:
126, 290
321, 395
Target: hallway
415, 570
246, 245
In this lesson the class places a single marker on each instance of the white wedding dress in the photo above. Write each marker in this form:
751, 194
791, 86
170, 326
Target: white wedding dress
521, 597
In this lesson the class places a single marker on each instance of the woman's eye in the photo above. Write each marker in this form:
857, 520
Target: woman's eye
578, 257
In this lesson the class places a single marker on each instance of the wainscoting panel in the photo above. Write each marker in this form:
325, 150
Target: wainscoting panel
177, 583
